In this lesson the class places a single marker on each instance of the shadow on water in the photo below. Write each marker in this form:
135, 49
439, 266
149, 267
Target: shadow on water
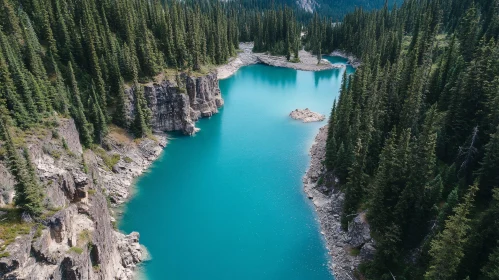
325, 75
280, 77
341, 60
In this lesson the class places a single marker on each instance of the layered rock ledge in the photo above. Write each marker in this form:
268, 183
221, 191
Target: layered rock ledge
176, 105
346, 248
306, 115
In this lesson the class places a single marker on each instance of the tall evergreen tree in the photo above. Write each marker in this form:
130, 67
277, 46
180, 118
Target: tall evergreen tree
28, 192
447, 249
78, 112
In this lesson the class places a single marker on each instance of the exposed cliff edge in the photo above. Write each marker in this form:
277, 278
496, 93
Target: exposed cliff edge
76, 238
347, 248
176, 106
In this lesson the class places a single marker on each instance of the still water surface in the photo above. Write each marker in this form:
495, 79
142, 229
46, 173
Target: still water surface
228, 203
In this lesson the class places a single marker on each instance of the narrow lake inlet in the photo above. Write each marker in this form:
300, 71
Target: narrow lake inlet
228, 202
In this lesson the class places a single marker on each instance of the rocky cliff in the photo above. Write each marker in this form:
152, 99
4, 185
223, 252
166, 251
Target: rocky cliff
76, 237
176, 105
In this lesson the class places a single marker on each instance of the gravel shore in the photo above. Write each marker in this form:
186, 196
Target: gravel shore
246, 56
328, 205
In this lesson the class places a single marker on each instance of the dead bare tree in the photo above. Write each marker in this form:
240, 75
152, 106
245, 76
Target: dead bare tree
468, 152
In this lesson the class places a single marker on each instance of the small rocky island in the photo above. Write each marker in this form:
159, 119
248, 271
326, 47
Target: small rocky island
306, 115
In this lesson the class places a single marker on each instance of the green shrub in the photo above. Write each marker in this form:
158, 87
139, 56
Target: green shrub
76, 250
84, 236
11, 226
109, 160
39, 229
320, 181
127, 159
65, 144
84, 164
354, 252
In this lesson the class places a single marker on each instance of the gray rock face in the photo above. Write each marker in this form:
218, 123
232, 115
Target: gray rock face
204, 95
358, 231
134, 159
6, 186
176, 107
19, 255
78, 241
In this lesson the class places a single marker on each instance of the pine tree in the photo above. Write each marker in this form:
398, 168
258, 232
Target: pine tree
78, 111
120, 114
446, 210
28, 192
13, 101
39, 97
343, 161
47, 32
467, 32
331, 147
140, 123
97, 117
32, 49
60, 97
10, 22
33, 192
354, 188
489, 177
491, 269
447, 248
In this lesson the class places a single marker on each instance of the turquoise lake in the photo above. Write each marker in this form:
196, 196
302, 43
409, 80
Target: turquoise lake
228, 202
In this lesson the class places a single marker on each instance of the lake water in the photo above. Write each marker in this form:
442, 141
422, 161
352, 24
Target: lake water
228, 202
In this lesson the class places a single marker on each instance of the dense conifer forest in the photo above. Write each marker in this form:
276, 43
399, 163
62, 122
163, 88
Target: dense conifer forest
414, 136
76, 59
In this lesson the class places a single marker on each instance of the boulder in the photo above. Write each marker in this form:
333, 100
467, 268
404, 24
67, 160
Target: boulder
358, 231
306, 115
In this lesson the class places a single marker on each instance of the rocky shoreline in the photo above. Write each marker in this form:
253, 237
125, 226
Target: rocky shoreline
346, 248
246, 56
